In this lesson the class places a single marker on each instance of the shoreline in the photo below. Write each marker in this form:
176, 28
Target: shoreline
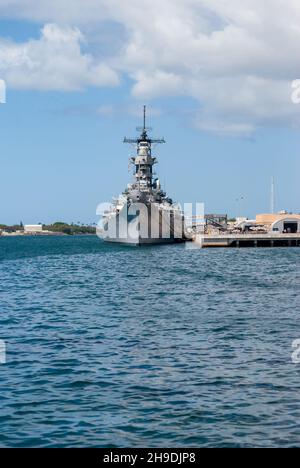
48, 234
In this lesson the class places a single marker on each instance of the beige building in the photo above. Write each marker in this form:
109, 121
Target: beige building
280, 222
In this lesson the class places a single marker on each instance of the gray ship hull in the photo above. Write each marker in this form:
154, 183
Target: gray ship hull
152, 227
141, 242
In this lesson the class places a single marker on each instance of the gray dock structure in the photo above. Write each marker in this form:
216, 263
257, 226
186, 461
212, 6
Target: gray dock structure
247, 240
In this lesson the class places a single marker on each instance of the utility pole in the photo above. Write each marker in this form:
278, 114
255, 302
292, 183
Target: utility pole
239, 201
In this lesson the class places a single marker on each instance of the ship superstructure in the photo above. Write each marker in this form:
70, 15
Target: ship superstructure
143, 213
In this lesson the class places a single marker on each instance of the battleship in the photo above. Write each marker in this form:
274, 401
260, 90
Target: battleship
143, 213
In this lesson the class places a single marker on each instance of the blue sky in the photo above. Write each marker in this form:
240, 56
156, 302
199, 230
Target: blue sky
76, 85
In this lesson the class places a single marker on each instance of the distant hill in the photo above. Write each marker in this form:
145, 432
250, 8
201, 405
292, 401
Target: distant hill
70, 229
59, 227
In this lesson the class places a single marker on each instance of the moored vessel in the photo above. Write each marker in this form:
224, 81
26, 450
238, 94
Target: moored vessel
143, 213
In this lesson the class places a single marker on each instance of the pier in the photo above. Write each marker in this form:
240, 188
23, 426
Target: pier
247, 240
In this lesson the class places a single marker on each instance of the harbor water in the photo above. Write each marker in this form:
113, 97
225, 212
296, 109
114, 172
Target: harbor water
110, 346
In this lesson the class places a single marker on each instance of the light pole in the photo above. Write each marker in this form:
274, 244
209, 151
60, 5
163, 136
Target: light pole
239, 201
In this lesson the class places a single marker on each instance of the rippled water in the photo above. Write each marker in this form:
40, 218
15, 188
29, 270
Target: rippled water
113, 346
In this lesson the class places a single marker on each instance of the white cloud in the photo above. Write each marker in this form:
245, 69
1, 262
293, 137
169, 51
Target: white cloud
157, 83
237, 59
54, 62
2, 92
